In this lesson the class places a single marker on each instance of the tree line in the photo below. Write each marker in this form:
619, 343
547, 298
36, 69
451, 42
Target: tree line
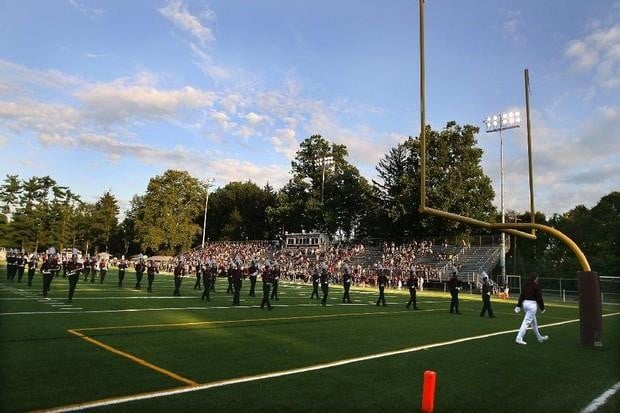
325, 192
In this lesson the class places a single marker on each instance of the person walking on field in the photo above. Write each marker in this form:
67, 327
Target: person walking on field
267, 280
486, 296
530, 300
382, 281
454, 286
412, 283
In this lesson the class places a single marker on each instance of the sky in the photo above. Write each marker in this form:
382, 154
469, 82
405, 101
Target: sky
104, 95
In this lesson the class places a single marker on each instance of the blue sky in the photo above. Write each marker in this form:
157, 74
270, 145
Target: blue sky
106, 94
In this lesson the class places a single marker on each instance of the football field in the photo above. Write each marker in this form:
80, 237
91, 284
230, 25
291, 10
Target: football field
121, 349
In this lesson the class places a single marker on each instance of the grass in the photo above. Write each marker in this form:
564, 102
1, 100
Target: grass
44, 366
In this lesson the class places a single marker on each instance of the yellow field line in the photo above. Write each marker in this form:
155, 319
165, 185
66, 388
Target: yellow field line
134, 359
250, 320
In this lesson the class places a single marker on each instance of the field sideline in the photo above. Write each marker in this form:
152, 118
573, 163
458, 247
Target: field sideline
120, 349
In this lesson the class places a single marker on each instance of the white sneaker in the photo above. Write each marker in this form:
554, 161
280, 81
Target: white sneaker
520, 342
542, 339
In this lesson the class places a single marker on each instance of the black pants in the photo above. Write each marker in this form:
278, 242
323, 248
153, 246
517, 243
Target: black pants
30, 276
381, 298
486, 306
150, 278
454, 302
177, 286
73, 279
252, 286
20, 274
102, 274
86, 272
412, 299
325, 289
121, 277
315, 290
138, 279
230, 289
47, 282
212, 284
265, 302
197, 285
274, 293
207, 288
93, 274
346, 297
237, 292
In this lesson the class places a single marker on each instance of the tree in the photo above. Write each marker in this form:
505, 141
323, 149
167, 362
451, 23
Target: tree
105, 220
248, 219
455, 183
169, 210
325, 192
9, 194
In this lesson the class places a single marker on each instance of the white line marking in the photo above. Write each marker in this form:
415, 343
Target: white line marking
281, 373
602, 399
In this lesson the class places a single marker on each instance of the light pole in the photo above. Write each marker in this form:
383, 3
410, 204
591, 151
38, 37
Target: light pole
208, 183
499, 123
325, 160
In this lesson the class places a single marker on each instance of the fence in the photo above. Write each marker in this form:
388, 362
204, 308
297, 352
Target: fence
567, 289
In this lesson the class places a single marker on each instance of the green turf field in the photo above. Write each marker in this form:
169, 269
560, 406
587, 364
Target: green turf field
154, 352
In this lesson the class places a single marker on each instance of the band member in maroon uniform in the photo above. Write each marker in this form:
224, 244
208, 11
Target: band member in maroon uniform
86, 269
486, 296
267, 280
324, 285
412, 283
382, 282
103, 270
151, 270
179, 272
33, 262
94, 267
237, 279
454, 286
140, 267
49, 269
530, 300
21, 265
73, 272
346, 283
122, 266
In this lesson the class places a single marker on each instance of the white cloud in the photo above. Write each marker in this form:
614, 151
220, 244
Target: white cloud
15, 74
176, 11
598, 54
119, 102
254, 118
284, 142
513, 26
221, 119
86, 11
24, 116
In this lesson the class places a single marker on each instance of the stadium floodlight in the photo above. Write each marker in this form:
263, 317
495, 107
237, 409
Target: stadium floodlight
502, 121
327, 161
208, 182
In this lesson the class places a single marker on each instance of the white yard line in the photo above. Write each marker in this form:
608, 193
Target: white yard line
602, 399
281, 373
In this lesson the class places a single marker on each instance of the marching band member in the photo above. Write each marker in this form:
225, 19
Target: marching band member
49, 269
346, 283
86, 267
151, 269
94, 267
103, 269
179, 272
267, 279
73, 272
33, 262
20, 264
139, 271
122, 266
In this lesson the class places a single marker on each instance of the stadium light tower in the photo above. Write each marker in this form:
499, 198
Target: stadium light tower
499, 123
208, 182
326, 161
